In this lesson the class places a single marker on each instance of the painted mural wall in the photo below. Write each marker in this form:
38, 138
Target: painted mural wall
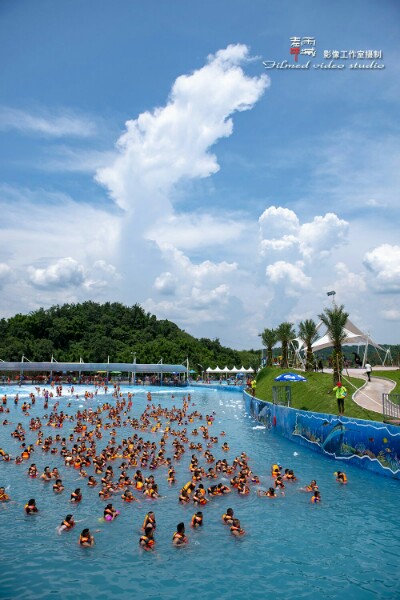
367, 444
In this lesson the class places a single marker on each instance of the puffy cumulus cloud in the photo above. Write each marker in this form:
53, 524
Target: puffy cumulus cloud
283, 234
383, 262
277, 222
318, 237
171, 143
289, 276
62, 124
66, 272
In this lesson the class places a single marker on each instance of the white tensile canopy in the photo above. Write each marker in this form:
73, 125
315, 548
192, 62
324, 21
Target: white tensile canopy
354, 336
227, 370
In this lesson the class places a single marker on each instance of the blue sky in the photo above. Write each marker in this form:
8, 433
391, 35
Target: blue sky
147, 155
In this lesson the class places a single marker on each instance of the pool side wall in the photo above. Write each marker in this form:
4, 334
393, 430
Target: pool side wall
366, 444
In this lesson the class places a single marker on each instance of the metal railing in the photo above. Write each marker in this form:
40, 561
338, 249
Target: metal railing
391, 406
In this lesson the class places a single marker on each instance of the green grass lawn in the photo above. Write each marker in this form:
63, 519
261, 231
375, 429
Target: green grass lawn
393, 375
313, 394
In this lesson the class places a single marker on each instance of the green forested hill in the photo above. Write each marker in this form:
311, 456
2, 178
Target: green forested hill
95, 331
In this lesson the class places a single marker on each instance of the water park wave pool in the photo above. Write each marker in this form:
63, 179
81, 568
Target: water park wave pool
347, 545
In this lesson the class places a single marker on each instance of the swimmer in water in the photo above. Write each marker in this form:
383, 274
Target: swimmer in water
67, 524
149, 521
76, 496
316, 497
110, 513
179, 538
146, 540
228, 516
86, 539
236, 529
30, 507
197, 520
310, 487
58, 486
3, 496
341, 477
270, 493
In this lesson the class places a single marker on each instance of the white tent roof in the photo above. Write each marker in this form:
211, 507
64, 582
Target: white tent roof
354, 336
226, 370
250, 370
234, 370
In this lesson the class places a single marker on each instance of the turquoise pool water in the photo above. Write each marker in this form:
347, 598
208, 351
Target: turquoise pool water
348, 546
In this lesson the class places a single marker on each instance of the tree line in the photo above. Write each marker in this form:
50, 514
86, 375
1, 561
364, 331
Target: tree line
96, 332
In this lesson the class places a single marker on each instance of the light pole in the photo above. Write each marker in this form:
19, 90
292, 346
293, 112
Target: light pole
134, 371
202, 371
333, 294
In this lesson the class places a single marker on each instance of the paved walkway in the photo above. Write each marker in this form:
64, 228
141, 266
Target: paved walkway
370, 394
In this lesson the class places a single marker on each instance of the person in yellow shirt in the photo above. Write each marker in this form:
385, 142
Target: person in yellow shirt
341, 393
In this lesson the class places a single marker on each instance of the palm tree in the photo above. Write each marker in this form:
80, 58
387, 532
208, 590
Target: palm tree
308, 333
335, 320
285, 332
269, 339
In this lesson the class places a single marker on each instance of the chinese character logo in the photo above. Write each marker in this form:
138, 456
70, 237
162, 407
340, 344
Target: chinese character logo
302, 45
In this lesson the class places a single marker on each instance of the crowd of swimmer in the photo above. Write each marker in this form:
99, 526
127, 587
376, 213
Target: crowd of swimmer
80, 450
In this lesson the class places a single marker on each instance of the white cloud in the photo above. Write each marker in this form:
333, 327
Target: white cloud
65, 273
384, 264
318, 237
290, 276
277, 222
282, 233
64, 124
172, 143
166, 284
194, 231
